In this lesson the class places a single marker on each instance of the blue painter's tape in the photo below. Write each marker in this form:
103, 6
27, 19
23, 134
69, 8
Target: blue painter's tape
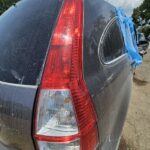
127, 27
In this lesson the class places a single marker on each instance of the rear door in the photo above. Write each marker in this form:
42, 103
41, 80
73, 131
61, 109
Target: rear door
25, 32
107, 70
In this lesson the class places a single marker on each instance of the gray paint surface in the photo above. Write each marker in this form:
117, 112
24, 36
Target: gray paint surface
108, 84
16, 112
25, 31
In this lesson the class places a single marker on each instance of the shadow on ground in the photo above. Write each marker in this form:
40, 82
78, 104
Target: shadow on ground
124, 145
139, 82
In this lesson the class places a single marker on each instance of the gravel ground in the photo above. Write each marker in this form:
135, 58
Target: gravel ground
136, 133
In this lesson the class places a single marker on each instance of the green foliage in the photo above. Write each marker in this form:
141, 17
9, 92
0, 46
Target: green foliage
146, 31
145, 7
136, 14
143, 11
5, 4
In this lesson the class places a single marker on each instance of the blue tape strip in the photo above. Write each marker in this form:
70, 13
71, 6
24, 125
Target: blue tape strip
127, 27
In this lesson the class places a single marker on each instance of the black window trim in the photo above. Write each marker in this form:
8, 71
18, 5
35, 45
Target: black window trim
101, 41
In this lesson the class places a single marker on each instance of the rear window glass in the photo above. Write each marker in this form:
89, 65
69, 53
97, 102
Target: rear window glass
25, 31
113, 43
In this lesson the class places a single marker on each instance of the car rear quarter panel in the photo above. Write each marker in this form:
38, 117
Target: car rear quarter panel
16, 109
109, 85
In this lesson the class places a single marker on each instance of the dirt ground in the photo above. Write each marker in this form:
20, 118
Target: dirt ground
136, 133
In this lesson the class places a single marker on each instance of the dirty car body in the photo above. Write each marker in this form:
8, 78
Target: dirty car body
25, 33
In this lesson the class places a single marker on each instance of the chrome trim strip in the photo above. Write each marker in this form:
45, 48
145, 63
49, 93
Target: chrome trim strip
18, 85
101, 39
116, 59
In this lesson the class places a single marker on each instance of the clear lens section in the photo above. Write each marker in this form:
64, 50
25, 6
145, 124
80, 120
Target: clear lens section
56, 116
59, 146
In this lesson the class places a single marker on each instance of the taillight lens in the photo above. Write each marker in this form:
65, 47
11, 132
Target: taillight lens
65, 117
56, 116
59, 146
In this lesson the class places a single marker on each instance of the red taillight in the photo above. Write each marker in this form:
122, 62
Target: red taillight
65, 117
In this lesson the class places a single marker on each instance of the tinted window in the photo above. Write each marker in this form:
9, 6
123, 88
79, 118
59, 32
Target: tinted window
112, 44
25, 31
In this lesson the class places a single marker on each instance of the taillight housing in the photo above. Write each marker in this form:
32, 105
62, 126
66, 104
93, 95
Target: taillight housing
65, 118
